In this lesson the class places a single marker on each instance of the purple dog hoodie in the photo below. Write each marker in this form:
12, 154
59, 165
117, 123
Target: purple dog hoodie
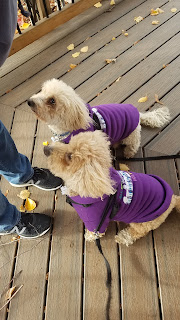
140, 197
116, 120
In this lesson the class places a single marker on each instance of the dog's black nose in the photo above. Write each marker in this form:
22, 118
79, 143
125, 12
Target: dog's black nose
47, 151
31, 103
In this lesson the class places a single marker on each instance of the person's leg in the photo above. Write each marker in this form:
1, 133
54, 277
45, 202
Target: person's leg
9, 215
14, 166
8, 21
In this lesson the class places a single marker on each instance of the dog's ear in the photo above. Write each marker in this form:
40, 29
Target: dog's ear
94, 181
68, 157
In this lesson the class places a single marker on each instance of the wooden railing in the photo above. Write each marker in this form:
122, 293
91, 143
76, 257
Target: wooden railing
43, 20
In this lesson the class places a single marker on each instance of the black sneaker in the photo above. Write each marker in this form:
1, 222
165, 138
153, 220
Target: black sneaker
31, 225
42, 179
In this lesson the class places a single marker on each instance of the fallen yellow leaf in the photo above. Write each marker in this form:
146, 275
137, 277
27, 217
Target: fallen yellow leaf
138, 19
160, 10
143, 99
24, 194
173, 10
155, 22
22, 209
30, 204
72, 66
123, 167
112, 2
15, 238
113, 38
98, 5
126, 34
157, 99
71, 46
6, 193
110, 60
156, 11
25, 26
76, 54
117, 80
84, 49
45, 143
10, 292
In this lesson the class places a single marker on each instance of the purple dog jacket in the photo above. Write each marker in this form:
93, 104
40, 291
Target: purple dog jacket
141, 198
117, 121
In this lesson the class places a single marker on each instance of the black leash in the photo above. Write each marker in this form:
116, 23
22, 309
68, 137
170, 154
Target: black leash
98, 244
171, 156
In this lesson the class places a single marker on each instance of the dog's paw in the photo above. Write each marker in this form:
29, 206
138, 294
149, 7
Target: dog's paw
92, 236
123, 237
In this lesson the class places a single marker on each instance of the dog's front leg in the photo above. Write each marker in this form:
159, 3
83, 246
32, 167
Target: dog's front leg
133, 232
92, 236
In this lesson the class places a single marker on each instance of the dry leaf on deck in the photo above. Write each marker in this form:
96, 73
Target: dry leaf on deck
110, 60
30, 204
113, 38
71, 46
10, 292
123, 167
25, 26
76, 54
157, 99
112, 3
15, 238
118, 79
98, 5
22, 209
24, 194
138, 19
6, 193
72, 66
154, 22
143, 99
45, 143
84, 49
156, 11
173, 10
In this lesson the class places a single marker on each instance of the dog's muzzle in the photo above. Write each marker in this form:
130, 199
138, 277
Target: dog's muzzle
31, 103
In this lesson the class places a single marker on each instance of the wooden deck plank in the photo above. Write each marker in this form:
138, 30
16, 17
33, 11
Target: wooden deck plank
65, 273
59, 49
63, 32
23, 143
95, 291
167, 236
128, 84
117, 49
34, 262
60, 67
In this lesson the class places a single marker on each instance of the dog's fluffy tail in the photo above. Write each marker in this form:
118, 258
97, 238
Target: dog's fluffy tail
177, 203
156, 118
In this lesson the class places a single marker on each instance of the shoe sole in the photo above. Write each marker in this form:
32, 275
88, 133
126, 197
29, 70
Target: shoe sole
31, 184
39, 235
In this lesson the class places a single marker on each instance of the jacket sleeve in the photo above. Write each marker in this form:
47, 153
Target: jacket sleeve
8, 21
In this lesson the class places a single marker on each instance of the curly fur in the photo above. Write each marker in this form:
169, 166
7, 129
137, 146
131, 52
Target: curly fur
69, 113
86, 173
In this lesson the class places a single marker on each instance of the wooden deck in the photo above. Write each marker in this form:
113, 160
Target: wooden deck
63, 277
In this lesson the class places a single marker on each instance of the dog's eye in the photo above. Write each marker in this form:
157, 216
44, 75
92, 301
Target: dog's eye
51, 101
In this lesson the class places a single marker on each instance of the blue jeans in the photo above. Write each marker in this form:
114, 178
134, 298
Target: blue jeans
15, 168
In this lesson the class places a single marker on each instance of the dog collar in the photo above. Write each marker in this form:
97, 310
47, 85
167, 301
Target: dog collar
100, 118
61, 136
